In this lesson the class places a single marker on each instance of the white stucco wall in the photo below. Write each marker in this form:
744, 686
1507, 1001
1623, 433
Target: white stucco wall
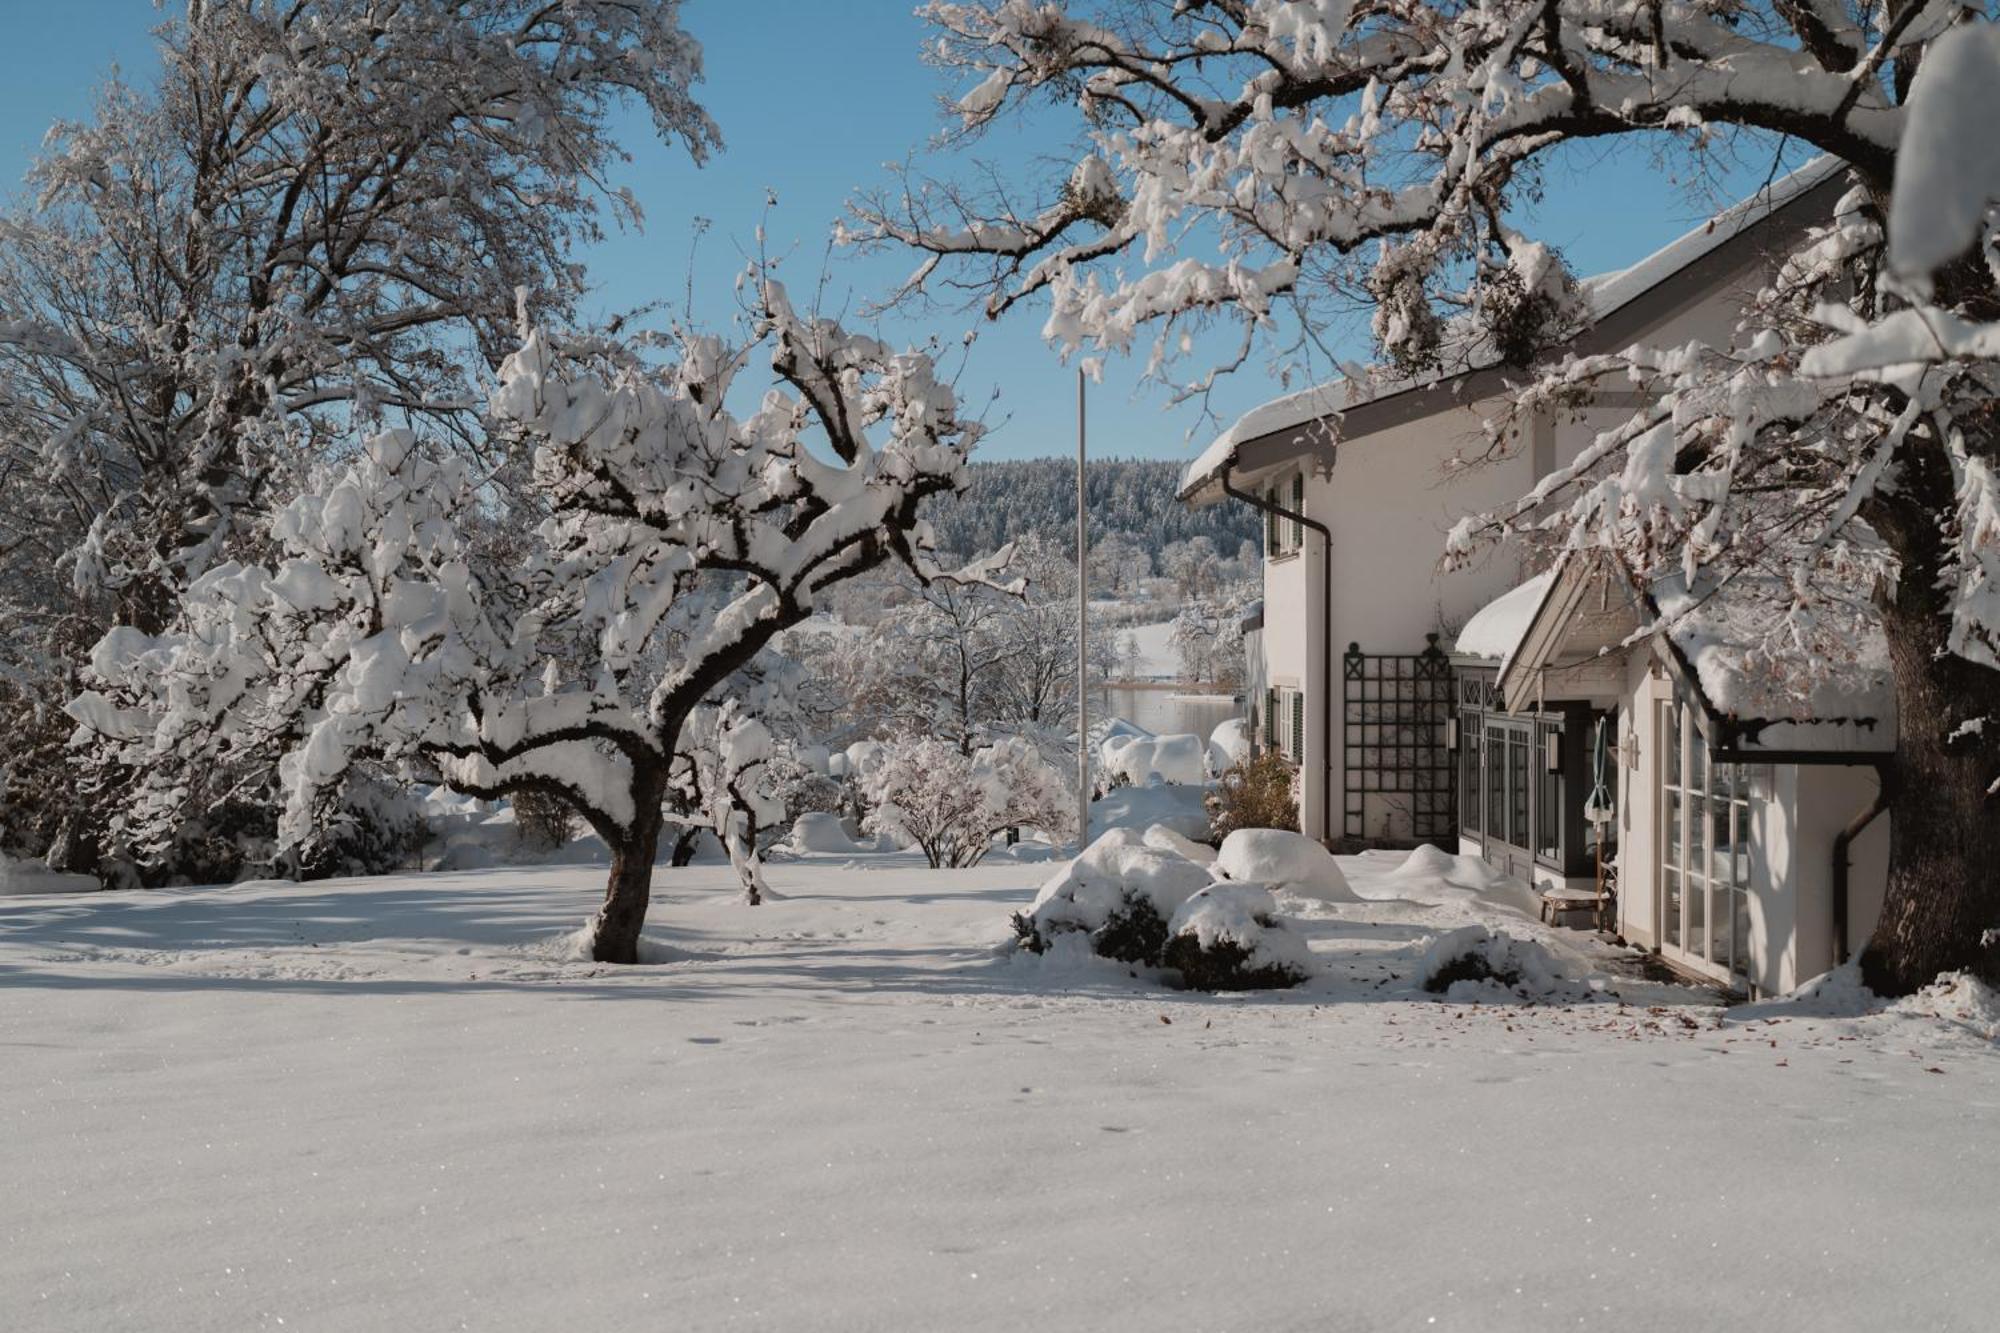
1390, 498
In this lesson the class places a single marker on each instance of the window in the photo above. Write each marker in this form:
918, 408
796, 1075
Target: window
1272, 546
1298, 727
1549, 796
1298, 507
1470, 729
1705, 832
1270, 719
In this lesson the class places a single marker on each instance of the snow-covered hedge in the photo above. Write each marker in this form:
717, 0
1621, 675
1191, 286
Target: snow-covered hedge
1229, 937
1473, 963
1143, 759
1284, 860
1120, 894
1154, 899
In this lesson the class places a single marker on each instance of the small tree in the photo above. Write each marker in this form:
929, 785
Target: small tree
1257, 791
382, 631
953, 805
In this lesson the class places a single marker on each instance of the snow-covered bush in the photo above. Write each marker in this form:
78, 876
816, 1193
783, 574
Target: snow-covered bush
1288, 862
952, 805
1475, 963
392, 626
1228, 937
1143, 759
1228, 745
1255, 792
1120, 894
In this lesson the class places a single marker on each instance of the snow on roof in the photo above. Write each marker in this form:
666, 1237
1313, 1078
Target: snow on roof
1833, 693
1495, 629
1604, 293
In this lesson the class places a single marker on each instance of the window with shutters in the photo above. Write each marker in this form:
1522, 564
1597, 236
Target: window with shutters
1298, 751
1270, 719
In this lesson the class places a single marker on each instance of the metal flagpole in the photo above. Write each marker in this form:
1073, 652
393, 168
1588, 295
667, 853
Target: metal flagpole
1082, 638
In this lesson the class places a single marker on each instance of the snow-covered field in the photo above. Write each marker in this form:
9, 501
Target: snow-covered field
399, 1104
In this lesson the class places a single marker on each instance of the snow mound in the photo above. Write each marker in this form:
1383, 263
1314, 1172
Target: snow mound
1141, 808
821, 831
1427, 862
1290, 862
1178, 759
1120, 892
1228, 743
19, 878
1474, 963
1167, 840
1960, 998
1229, 937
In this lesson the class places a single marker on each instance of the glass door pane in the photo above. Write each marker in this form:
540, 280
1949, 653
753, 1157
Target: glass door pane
1496, 783
1670, 907
1518, 832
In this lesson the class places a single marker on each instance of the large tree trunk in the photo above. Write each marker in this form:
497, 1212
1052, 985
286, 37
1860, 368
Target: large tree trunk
616, 935
1942, 912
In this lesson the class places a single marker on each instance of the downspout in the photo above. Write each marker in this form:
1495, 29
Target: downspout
1325, 631
1843, 842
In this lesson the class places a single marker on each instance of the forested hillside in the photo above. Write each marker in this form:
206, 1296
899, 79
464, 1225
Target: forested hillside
1010, 498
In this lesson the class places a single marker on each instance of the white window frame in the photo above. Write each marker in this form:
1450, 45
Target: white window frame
1695, 890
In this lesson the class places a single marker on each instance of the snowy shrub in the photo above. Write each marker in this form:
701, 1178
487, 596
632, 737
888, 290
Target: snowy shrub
1228, 937
544, 821
1229, 744
376, 828
1120, 893
1256, 792
1289, 862
1145, 760
953, 805
790, 786
1167, 839
1473, 962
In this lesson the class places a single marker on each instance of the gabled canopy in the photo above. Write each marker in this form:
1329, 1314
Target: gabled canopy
1831, 701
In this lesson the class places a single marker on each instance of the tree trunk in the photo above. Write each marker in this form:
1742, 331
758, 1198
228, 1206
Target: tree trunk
1942, 910
615, 938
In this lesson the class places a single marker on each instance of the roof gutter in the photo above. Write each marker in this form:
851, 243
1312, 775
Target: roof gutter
1325, 631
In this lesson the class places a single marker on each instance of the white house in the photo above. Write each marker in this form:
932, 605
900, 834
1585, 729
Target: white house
1362, 631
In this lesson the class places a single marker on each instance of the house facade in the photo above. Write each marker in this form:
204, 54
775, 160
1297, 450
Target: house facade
1643, 742
1370, 680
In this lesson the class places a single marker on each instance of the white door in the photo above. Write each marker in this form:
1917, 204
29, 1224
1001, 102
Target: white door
1704, 841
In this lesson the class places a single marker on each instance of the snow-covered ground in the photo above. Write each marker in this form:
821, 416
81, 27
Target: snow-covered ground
400, 1103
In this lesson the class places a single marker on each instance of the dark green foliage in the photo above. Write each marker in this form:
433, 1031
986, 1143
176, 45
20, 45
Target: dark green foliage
1468, 967
1224, 966
1010, 498
1135, 933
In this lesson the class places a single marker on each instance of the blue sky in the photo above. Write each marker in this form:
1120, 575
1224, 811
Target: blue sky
814, 98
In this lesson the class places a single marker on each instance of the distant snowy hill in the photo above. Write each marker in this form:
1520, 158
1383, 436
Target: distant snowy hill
1134, 496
